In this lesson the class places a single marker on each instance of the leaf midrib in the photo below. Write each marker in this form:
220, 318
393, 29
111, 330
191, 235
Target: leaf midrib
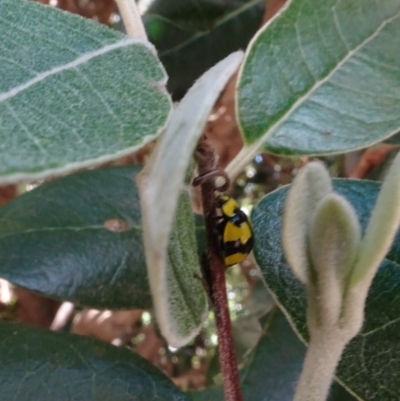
248, 152
80, 60
71, 228
319, 83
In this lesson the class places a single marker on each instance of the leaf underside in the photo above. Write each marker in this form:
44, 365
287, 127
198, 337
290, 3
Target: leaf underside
169, 227
322, 77
72, 92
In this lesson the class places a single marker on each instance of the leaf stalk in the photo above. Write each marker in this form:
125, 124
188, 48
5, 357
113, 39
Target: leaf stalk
324, 351
132, 20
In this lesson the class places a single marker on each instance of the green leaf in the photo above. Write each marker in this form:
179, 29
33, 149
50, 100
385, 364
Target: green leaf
161, 186
73, 93
78, 238
165, 33
215, 393
393, 140
321, 77
311, 185
275, 364
194, 36
334, 239
369, 364
201, 236
382, 227
184, 305
43, 365
273, 367
169, 23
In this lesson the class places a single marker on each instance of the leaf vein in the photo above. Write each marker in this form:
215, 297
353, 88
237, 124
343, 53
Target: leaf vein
76, 229
25, 129
380, 328
364, 92
338, 28
71, 65
299, 43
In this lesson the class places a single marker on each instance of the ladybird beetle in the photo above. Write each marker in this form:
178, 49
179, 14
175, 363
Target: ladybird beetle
234, 231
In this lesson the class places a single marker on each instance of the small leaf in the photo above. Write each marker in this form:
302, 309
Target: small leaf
161, 185
334, 238
41, 365
369, 364
78, 238
73, 93
180, 299
321, 77
382, 227
311, 185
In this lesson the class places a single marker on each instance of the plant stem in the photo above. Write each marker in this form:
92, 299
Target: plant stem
215, 277
131, 17
323, 355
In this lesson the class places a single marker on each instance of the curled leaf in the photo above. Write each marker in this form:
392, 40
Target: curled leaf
381, 229
334, 240
310, 186
168, 225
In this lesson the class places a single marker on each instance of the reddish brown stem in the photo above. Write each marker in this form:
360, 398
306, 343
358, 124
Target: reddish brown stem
371, 158
215, 276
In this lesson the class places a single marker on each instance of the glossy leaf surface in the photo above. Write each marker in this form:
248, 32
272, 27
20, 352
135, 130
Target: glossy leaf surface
42, 365
78, 238
193, 36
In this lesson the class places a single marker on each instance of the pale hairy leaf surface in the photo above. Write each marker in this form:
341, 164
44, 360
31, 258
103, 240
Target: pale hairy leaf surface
321, 77
78, 238
185, 301
72, 92
161, 186
383, 225
36, 364
369, 364
311, 185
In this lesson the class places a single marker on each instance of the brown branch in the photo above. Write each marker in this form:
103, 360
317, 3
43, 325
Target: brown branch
370, 158
271, 8
215, 276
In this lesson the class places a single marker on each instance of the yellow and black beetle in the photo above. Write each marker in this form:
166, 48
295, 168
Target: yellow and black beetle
233, 230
